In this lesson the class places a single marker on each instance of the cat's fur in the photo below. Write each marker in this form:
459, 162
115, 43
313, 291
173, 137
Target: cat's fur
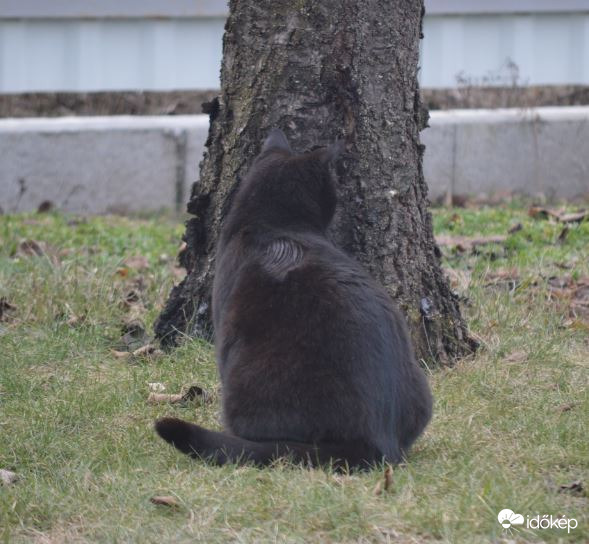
315, 361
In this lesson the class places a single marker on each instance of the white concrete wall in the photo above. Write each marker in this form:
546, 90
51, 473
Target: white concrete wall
77, 45
541, 151
50, 55
102, 164
521, 49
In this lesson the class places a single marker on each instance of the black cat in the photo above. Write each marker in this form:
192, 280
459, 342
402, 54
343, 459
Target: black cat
315, 361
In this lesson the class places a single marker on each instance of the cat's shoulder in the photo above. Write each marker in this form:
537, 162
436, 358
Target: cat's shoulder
281, 255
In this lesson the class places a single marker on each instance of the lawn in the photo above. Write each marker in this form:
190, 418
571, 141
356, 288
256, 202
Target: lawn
510, 428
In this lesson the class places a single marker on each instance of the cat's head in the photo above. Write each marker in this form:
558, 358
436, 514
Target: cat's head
287, 189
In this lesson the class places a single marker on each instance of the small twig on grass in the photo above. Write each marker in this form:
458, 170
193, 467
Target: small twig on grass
188, 394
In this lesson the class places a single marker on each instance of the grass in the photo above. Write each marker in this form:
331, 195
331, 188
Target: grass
510, 424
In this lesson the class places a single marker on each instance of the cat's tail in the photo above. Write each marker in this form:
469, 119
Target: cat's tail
222, 448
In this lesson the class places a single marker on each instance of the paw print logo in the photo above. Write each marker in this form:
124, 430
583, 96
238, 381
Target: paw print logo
508, 517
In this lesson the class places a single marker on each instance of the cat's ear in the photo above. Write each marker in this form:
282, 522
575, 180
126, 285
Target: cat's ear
333, 152
276, 139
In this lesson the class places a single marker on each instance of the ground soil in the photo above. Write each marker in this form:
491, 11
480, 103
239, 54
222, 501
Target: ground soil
189, 102
505, 97
104, 103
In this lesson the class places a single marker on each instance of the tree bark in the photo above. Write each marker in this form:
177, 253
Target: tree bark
322, 71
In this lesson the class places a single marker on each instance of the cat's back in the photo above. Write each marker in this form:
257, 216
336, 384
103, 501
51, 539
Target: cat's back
280, 273
296, 299
304, 342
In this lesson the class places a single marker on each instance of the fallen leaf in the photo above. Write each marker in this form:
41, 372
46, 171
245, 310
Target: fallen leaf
7, 477
76, 320
156, 387
123, 272
137, 262
45, 206
188, 394
133, 304
576, 488
464, 243
581, 293
558, 282
139, 283
131, 297
182, 254
386, 483
120, 354
518, 356
148, 350
573, 217
165, 500
135, 336
194, 391
567, 323
537, 212
391, 535
388, 478
179, 272
459, 279
578, 320
503, 274
5, 308
455, 219
503, 277
344, 478
135, 312
32, 248
164, 398
574, 293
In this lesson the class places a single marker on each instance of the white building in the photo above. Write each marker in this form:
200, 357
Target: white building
98, 45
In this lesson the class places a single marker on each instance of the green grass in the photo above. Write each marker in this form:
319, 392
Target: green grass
76, 427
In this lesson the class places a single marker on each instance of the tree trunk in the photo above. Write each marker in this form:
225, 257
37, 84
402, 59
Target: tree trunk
322, 71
